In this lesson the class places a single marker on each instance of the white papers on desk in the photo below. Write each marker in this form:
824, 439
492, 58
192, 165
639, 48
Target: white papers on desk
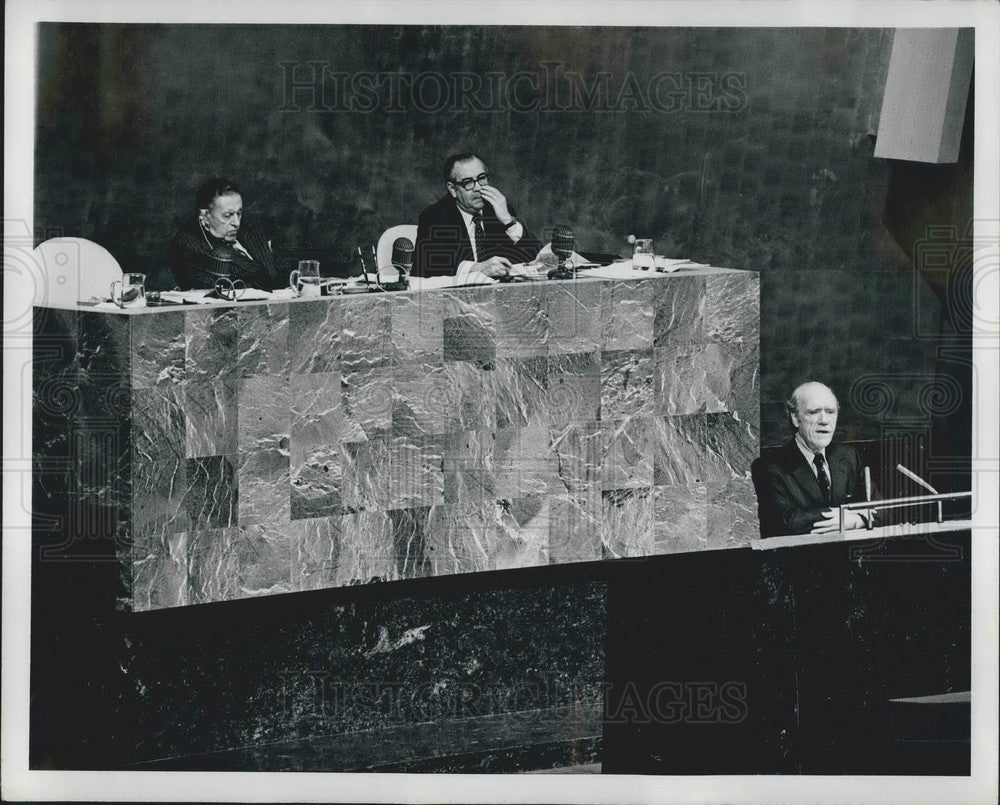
621, 270
448, 281
202, 297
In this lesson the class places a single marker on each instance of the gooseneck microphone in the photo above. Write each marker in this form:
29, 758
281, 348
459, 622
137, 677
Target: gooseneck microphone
914, 477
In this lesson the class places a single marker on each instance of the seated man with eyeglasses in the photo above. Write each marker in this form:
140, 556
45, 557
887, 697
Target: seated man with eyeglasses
472, 229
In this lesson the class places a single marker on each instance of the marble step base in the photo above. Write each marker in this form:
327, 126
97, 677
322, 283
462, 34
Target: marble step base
560, 739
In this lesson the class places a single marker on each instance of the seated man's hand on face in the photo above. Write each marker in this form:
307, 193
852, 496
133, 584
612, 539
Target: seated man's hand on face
498, 201
494, 267
831, 522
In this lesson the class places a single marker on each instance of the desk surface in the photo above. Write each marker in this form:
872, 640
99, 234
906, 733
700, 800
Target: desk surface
281, 298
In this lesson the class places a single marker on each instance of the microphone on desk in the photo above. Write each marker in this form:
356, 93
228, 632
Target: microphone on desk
402, 261
402, 254
562, 247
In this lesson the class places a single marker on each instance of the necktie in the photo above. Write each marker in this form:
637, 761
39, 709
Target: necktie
824, 482
477, 222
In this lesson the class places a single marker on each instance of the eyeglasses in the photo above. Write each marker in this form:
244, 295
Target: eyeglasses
228, 289
483, 179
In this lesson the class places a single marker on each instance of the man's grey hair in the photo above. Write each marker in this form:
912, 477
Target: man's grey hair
792, 403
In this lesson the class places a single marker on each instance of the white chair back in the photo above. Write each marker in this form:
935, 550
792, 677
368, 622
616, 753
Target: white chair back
383, 251
71, 269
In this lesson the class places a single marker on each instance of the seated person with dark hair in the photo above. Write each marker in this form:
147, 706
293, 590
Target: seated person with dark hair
799, 489
217, 242
472, 229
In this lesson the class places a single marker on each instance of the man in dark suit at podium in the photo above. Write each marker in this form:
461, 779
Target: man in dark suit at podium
472, 229
800, 488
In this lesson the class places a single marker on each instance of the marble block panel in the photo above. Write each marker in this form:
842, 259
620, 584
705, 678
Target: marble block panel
160, 572
317, 481
409, 532
367, 549
732, 307
210, 338
627, 522
419, 398
366, 340
265, 421
104, 350
521, 391
626, 384
315, 451
470, 332
415, 472
574, 316
468, 466
522, 321
159, 492
574, 387
680, 312
732, 443
681, 518
212, 495
210, 413
627, 314
692, 378
626, 453
471, 396
367, 403
732, 514
744, 381
524, 462
578, 451
99, 464
158, 346
314, 335
159, 424
316, 413
522, 535
459, 537
241, 561
701, 447
417, 321
575, 526
316, 554
262, 343
263, 478
366, 475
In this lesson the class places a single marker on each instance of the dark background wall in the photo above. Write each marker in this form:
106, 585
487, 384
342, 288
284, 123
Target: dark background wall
746, 148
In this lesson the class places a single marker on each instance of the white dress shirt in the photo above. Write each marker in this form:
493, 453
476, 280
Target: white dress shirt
465, 267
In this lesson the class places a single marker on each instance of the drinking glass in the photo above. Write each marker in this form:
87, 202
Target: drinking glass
642, 256
305, 280
131, 291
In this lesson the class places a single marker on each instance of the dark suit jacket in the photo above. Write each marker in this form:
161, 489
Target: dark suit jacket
443, 241
789, 500
198, 262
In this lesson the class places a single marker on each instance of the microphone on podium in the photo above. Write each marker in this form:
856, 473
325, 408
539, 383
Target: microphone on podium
914, 477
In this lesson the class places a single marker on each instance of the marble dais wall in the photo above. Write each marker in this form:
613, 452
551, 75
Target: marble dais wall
271, 448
